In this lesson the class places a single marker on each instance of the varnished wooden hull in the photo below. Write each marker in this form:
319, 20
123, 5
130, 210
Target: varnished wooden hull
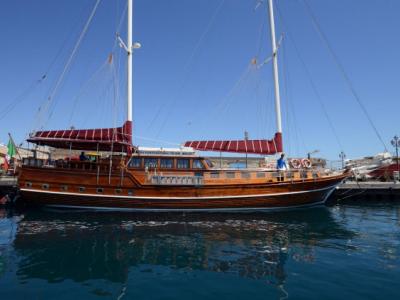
224, 203
208, 197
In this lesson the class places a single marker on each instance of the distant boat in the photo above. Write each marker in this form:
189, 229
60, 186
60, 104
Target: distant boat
167, 179
369, 167
385, 172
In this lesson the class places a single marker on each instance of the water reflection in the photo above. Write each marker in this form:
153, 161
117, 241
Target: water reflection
86, 246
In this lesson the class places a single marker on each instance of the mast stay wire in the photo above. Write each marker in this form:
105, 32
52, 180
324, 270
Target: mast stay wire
346, 78
109, 61
171, 104
50, 104
21, 97
311, 81
50, 66
83, 88
227, 100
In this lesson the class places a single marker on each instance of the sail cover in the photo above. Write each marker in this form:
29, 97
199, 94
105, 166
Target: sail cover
267, 147
117, 139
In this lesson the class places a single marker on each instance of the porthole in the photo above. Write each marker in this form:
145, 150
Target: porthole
130, 192
82, 189
64, 187
28, 184
118, 191
45, 186
260, 174
99, 190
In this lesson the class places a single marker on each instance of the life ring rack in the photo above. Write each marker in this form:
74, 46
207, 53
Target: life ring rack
297, 163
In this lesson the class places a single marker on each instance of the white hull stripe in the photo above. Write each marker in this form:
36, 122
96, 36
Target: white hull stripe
229, 209
180, 198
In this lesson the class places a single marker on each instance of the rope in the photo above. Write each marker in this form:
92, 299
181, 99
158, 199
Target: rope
20, 98
69, 61
311, 81
185, 72
84, 88
342, 71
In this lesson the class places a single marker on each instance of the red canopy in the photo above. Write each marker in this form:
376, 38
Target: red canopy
267, 147
105, 139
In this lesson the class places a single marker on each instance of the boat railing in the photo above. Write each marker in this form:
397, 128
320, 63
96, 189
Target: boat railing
264, 175
71, 164
176, 180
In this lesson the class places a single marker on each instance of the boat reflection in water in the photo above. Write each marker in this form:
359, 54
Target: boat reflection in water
113, 247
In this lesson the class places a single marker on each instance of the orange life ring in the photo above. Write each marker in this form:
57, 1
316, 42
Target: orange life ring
295, 163
306, 163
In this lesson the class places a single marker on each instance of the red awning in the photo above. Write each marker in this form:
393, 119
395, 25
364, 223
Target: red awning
267, 147
105, 139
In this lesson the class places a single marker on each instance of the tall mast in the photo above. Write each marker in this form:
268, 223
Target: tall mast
275, 68
129, 53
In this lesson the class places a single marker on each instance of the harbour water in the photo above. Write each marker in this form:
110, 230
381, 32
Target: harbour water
339, 252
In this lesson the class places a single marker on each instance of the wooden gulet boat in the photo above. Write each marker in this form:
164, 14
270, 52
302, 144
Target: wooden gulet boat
167, 180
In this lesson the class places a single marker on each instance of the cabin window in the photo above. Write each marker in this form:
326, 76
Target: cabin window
214, 175
260, 174
64, 188
45, 186
245, 175
28, 184
303, 174
166, 163
182, 163
81, 189
289, 175
315, 175
230, 174
99, 190
150, 162
209, 163
197, 164
118, 191
135, 162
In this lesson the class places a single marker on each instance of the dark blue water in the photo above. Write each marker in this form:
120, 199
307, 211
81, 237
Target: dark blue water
342, 252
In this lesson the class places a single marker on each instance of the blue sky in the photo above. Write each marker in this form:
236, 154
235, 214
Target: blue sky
192, 76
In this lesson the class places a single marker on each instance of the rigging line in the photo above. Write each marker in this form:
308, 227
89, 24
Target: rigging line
311, 81
54, 60
70, 59
223, 104
123, 16
115, 92
260, 38
285, 80
37, 116
342, 70
83, 88
186, 69
21, 97
63, 45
